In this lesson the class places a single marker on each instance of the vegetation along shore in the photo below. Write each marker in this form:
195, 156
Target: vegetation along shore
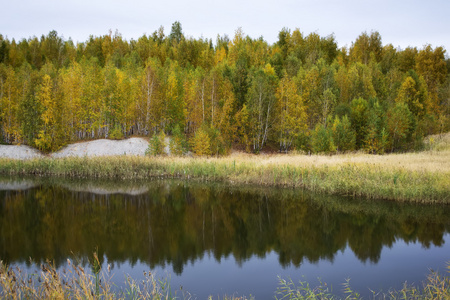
415, 177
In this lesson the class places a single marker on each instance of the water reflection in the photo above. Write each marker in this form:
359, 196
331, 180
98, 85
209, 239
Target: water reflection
175, 222
14, 184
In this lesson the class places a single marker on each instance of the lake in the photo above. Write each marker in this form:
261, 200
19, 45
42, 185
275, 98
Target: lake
220, 239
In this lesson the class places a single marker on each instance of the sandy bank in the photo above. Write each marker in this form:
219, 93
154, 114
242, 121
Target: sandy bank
102, 147
19, 152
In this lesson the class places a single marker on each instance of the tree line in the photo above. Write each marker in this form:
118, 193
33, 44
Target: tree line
302, 92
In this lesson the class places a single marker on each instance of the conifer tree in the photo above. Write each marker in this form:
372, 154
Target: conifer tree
201, 143
344, 137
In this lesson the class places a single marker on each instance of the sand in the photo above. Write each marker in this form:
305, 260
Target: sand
102, 147
19, 152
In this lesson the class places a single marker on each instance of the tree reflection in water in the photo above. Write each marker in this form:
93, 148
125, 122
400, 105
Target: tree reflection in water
176, 222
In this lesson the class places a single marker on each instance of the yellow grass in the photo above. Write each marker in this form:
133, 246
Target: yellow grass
435, 160
429, 161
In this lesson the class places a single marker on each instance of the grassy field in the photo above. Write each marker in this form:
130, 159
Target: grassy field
417, 177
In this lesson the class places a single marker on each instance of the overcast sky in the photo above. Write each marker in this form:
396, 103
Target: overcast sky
400, 22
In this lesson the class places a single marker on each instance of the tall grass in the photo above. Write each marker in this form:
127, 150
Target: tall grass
436, 287
417, 177
76, 283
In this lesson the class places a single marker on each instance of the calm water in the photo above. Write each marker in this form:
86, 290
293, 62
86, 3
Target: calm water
215, 239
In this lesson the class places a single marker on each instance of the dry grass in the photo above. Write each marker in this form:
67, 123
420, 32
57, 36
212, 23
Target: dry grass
436, 159
428, 161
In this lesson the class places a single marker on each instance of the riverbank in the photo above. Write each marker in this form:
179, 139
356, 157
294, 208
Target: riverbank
422, 177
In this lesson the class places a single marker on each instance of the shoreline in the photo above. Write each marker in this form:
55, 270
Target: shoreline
421, 177
416, 177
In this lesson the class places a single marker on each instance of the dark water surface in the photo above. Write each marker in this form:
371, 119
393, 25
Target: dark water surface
217, 239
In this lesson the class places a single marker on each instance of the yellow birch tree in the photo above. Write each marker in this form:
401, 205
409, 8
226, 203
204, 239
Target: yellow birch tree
291, 113
45, 140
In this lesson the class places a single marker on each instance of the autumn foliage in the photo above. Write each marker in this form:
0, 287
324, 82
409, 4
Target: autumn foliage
302, 92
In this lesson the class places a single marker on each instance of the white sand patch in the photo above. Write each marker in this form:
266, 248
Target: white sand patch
103, 147
19, 152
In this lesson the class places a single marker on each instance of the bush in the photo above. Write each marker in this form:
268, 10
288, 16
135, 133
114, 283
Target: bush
217, 143
157, 145
116, 133
178, 144
344, 137
322, 140
303, 142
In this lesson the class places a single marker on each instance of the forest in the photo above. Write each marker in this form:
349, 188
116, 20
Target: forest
301, 93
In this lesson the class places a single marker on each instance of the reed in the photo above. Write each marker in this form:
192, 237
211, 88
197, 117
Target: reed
435, 287
416, 177
77, 283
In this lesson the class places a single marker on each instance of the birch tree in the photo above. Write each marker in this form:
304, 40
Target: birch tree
261, 102
291, 113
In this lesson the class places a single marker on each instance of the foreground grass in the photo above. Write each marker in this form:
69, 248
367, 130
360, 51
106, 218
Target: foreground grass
416, 177
436, 287
76, 283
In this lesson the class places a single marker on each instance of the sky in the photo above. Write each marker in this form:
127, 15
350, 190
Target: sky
401, 23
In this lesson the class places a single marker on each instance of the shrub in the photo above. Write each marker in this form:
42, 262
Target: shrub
322, 140
303, 141
116, 133
343, 136
218, 145
157, 144
178, 144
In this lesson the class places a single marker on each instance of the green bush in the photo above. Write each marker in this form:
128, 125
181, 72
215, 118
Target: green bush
178, 144
157, 144
116, 133
303, 142
322, 140
344, 137
217, 143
